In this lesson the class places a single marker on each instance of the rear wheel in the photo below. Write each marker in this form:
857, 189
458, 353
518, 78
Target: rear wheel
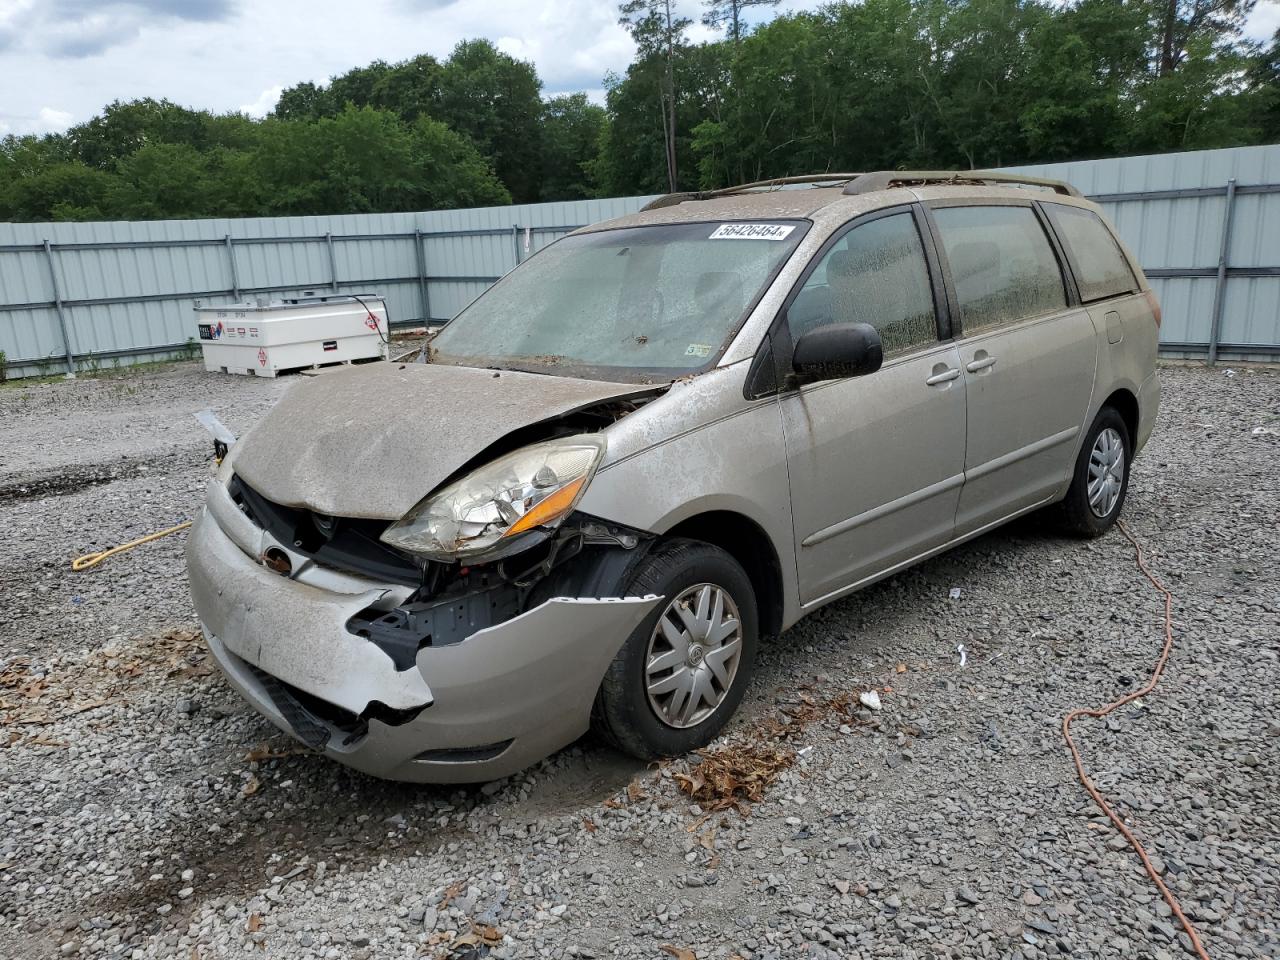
682, 672
1101, 479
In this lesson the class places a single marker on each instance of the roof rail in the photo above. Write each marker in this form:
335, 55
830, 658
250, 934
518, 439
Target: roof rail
671, 199
884, 179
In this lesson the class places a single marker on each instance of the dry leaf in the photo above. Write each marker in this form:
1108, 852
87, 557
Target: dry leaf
733, 776
254, 923
902, 668
453, 890
251, 787
680, 953
480, 935
634, 793
263, 752
589, 824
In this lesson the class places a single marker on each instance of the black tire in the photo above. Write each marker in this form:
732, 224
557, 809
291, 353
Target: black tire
623, 714
1076, 514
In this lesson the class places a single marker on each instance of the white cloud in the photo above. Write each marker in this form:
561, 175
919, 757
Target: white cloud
238, 54
265, 103
54, 121
1264, 21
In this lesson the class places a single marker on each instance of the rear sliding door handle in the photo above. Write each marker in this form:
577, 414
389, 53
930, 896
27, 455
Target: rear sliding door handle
948, 374
980, 363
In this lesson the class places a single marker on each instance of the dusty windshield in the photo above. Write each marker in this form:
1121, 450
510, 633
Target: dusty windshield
643, 302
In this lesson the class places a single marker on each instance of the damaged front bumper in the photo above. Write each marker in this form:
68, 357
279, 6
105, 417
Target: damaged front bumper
478, 709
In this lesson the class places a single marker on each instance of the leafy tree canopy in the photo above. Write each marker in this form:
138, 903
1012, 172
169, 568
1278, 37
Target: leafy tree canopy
868, 85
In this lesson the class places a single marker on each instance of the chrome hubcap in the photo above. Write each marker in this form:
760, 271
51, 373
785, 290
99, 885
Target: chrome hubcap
693, 655
1106, 472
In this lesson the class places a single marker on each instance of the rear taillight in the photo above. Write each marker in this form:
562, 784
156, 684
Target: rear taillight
1154, 304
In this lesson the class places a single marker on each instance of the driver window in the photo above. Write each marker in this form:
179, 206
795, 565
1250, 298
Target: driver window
876, 273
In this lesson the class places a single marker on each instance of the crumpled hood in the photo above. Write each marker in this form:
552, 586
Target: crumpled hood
371, 441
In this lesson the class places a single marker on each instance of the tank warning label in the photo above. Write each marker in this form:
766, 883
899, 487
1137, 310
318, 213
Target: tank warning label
752, 231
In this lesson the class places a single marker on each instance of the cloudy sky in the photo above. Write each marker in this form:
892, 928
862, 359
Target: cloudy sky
62, 60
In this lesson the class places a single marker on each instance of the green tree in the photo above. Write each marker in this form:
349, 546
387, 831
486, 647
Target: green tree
367, 160
1264, 92
496, 100
304, 101
571, 131
729, 14
1183, 25
68, 190
448, 171
659, 36
123, 127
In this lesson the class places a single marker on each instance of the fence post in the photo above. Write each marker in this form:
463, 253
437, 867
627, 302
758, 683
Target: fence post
1220, 291
333, 263
424, 296
515, 239
231, 262
57, 304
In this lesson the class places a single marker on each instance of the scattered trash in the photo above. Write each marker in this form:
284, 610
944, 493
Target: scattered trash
963, 655
902, 668
870, 699
955, 593
1265, 432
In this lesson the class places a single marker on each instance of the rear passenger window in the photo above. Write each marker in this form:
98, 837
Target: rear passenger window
1002, 265
1101, 268
876, 274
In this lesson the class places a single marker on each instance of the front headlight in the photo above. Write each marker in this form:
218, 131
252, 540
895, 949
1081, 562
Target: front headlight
533, 488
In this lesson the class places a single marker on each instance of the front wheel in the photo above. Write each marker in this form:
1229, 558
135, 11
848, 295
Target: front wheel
682, 672
1101, 477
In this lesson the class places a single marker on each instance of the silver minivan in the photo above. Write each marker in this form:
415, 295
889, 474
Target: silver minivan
658, 441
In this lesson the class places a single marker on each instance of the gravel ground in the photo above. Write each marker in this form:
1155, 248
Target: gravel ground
145, 811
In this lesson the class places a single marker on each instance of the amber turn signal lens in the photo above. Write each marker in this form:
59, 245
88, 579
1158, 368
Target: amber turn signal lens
549, 509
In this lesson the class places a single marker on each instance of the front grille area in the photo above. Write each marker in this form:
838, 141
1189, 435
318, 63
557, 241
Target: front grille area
342, 543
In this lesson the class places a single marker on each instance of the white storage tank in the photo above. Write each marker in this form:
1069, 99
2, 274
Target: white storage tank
269, 337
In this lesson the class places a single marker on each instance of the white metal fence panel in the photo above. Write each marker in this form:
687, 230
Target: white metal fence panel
84, 294
1206, 227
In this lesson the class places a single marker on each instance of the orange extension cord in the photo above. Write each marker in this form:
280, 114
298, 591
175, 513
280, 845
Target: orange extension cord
1102, 712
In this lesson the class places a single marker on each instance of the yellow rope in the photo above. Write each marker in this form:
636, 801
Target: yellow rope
93, 559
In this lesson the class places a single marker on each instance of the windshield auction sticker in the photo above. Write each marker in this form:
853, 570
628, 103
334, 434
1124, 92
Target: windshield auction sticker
752, 231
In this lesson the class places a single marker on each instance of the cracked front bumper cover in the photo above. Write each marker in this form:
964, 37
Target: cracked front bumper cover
490, 705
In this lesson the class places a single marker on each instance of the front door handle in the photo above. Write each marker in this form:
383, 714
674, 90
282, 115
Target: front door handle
947, 373
981, 361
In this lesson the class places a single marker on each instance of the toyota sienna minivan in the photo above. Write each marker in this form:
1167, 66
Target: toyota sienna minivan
657, 441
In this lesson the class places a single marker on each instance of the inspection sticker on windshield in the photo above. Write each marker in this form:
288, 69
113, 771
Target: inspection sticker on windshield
752, 231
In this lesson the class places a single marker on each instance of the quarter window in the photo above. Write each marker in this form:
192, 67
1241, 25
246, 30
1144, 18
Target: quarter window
1002, 265
1101, 268
876, 274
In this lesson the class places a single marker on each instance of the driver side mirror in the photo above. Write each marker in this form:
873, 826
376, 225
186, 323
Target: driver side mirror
835, 351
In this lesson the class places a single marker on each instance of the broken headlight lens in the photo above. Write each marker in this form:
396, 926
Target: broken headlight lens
534, 487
